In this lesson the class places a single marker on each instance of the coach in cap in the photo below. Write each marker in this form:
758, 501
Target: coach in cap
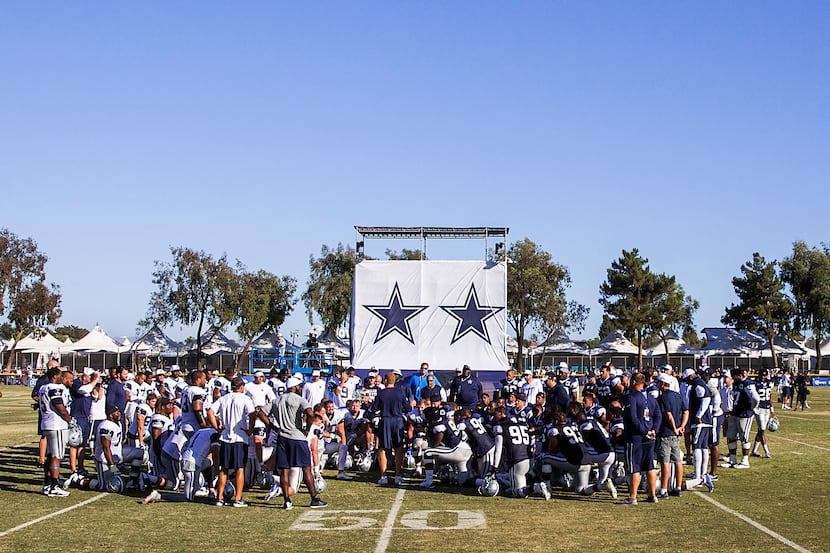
391, 405
291, 411
466, 390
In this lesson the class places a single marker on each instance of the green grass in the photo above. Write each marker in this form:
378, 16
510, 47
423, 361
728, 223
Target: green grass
787, 494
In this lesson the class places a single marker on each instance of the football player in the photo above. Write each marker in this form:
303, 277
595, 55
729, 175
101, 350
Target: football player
483, 444
700, 419
566, 451
352, 429
54, 403
446, 446
745, 401
196, 406
109, 453
512, 439
764, 387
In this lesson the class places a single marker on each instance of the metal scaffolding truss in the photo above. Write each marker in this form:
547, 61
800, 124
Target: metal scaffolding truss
423, 233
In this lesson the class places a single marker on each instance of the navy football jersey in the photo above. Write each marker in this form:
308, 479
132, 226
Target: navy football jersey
477, 435
570, 442
597, 439
516, 440
764, 389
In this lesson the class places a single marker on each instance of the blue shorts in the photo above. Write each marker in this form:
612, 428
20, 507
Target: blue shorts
292, 453
391, 433
639, 456
701, 437
86, 429
232, 456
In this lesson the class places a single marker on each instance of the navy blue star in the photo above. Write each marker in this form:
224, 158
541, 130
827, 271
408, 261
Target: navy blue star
471, 316
395, 316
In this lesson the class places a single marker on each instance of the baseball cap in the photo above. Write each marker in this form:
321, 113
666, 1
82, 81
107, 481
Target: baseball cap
688, 372
315, 372
458, 369
667, 367
527, 372
293, 381
259, 374
465, 367
111, 409
89, 371
175, 368
397, 372
160, 372
563, 366
664, 378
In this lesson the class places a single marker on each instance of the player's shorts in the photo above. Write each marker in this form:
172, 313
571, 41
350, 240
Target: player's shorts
717, 426
55, 442
668, 449
391, 433
701, 437
639, 456
739, 428
762, 418
292, 453
86, 428
232, 455
787, 391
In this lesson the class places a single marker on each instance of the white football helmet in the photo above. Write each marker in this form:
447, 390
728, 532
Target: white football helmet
364, 463
115, 484
773, 424
320, 483
75, 437
490, 487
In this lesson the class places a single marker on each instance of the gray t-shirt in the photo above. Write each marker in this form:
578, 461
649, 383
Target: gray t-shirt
288, 412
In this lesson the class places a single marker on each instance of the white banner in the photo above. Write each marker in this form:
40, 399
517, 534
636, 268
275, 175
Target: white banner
447, 313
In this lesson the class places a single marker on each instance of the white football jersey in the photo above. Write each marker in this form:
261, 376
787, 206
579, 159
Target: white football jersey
112, 432
48, 395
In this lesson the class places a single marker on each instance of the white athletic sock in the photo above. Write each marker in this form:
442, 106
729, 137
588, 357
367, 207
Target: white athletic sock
697, 455
766, 449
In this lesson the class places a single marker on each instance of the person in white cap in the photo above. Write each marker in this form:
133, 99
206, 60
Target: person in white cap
261, 395
291, 412
315, 391
674, 384
531, 386
571, 384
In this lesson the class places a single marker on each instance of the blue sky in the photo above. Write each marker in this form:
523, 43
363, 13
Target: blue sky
696, 132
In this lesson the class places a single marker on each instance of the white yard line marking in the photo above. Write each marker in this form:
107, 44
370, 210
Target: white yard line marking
802, 443
47, 517
751, 522
810, 419
386, 534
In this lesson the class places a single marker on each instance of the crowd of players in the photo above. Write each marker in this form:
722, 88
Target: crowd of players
213, 436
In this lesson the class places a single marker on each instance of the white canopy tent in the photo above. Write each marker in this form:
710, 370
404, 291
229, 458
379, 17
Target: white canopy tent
744, 346
98, 341
156, 342
615, 348
681, 354
560, 348
216, 343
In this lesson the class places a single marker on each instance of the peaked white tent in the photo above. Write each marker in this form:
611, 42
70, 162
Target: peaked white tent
216, 343
97, 341
559, 348
40, 341
156, 342
615, 348
266, 340
743, 346
680, 354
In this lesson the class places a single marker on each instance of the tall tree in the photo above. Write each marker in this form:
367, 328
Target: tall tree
329, 290
406, 254
193, 288
629, 295
807, 272
26, 300
536, 294
673, 311
72, 332
261, 301
763, 305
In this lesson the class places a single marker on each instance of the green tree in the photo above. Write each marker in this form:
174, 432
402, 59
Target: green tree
807, 272
629, 295
193, 288
673, 311
412, 255
763, 305
72, 332
329, 290
27, 301
536, 294
261, 301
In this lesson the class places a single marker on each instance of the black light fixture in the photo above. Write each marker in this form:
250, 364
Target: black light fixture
359, 247
499, 248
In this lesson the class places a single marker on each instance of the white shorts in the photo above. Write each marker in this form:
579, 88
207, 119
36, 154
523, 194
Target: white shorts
762, 418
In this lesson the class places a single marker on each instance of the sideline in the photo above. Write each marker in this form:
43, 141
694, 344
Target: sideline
56, 513
386, 534
802, 443
751, 522
5, 447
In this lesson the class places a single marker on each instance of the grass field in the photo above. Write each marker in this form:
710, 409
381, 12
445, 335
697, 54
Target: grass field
786, 495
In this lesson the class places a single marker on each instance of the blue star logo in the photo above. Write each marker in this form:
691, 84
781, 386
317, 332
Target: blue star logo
471, 316
395, 316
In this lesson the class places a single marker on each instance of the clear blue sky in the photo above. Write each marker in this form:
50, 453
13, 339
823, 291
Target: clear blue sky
696, 132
